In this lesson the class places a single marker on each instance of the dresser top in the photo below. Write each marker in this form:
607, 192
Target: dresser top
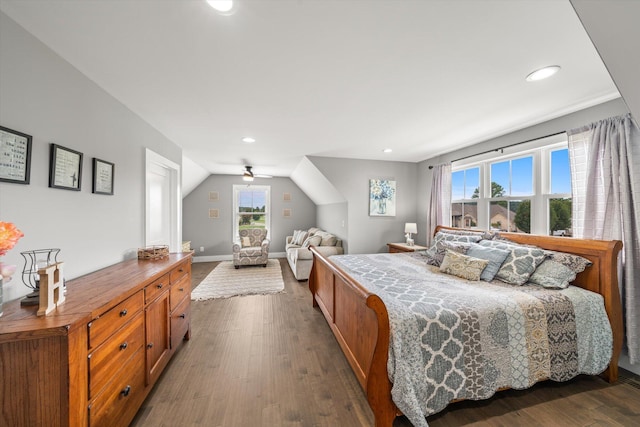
87, 297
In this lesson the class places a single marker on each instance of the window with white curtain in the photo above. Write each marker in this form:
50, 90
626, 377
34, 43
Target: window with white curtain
522, 189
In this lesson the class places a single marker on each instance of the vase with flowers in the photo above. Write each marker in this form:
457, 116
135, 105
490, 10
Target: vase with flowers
9, 236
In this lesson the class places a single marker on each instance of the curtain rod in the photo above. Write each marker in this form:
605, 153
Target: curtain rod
506, 146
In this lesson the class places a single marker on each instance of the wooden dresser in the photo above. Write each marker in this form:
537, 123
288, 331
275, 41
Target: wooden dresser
94, 359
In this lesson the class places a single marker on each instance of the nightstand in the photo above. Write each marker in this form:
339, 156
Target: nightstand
403, 247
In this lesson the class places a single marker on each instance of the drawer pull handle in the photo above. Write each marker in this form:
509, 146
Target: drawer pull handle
124, 345
181, 289
182, 316
181, 270
150, 345
123, 313
159, 286
125, 391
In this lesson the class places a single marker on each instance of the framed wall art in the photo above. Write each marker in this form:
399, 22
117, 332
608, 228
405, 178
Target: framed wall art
65, 168
15, 156
102, 177
382, 197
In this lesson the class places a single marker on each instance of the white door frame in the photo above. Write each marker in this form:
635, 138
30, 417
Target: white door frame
173, 169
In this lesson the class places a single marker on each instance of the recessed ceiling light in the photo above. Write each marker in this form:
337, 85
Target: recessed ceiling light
387, 150
543, 73
248, 140
223, 6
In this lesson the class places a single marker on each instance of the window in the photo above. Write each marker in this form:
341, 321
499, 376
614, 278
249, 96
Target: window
528, 191
251, 206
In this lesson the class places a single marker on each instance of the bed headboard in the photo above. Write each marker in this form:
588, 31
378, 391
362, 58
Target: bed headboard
601, 277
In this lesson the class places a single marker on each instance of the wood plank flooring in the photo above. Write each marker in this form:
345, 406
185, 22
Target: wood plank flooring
272, 361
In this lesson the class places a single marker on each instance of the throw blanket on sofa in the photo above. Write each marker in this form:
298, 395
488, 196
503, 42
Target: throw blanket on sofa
456, 339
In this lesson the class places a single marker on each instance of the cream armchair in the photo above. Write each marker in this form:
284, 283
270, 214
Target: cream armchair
252, 248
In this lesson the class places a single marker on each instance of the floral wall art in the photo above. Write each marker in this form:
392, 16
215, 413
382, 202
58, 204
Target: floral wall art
382, 197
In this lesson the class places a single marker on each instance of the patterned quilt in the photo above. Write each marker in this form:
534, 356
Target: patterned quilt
456, 339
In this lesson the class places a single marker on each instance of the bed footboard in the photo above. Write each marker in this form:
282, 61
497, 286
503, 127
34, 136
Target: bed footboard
360, 323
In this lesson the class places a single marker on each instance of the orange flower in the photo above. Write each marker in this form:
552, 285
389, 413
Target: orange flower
9, 236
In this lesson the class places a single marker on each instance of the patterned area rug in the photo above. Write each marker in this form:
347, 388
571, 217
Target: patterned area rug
225, 281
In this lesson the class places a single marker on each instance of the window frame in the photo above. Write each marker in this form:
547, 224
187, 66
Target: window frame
236, 214
540, 150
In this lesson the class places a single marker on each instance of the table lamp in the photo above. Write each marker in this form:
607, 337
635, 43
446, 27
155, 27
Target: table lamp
409, 229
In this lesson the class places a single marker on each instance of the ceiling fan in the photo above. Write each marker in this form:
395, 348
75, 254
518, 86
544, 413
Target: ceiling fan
248, 174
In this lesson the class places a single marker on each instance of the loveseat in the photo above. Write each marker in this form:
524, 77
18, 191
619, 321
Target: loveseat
300, 257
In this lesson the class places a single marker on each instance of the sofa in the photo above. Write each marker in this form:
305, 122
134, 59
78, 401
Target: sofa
300, 257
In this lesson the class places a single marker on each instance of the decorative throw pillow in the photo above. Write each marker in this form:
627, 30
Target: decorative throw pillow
245, 242
328, 239
436, 252
575, 263
519, 264
312, 241
495, 257
488, 235
435, 256
462, 265
551, 274
559, 270
299, 238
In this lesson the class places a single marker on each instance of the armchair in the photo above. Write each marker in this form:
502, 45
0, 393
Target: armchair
252, 248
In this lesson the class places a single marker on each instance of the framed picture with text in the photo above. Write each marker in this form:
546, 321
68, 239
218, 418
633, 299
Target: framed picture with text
65, 168
103, 177
15, 156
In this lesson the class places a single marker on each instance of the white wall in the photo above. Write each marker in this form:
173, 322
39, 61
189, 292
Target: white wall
613, 28
350, 177
215, 235
44, 96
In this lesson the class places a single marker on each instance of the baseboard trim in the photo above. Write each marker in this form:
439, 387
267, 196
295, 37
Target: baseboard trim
212, 258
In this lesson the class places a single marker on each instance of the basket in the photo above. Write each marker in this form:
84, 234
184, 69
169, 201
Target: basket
153, 252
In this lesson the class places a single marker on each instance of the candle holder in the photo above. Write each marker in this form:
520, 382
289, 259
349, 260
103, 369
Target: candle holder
34, 261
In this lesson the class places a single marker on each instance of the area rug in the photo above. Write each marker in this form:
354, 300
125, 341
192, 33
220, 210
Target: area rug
226, 281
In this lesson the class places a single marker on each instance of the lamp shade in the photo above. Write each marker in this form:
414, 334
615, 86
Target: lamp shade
410, 227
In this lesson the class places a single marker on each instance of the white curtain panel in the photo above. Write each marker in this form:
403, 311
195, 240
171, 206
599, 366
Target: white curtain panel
440, 202
605, 177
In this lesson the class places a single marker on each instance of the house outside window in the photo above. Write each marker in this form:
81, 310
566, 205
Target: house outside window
523, 191
251, 207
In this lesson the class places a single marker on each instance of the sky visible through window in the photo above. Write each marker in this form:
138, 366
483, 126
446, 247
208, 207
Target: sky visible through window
252, 199
465, 182
560, 172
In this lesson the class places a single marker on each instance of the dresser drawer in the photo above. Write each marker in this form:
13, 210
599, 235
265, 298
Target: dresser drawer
180, 291
180, 271
152, 291
107, 359
180, 319
106, 324
117, 404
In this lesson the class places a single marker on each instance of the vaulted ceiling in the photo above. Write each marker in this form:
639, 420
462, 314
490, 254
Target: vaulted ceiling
342, 78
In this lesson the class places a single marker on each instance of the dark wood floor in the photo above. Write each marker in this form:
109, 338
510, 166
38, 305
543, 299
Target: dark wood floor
273, 361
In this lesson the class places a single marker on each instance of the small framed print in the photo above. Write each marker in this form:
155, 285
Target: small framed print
214, 196
286, 213
286, 197
214, 213
65, 168
102, 177
15, 156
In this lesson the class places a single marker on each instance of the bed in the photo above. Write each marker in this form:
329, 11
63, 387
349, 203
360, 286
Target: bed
360, 321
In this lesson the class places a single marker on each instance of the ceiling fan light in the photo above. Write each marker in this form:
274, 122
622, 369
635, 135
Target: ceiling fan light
543, 73
248, 174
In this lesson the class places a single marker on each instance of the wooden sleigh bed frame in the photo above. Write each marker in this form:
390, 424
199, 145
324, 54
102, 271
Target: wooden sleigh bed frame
360, 323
